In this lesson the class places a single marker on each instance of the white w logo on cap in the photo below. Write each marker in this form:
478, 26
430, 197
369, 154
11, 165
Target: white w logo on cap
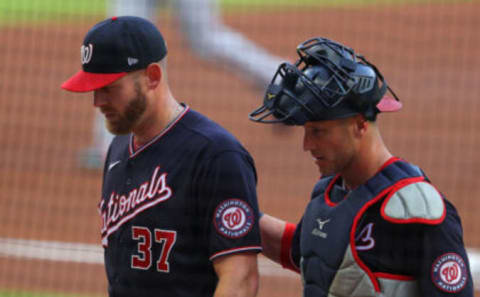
86, 53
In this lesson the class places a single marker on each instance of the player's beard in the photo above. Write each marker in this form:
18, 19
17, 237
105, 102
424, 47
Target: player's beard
126, 121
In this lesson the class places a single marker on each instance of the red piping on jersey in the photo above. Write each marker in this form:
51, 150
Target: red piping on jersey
134, 153
389, 161
353, 247
236, 250
286, 247
393, 276
412, 220
329, 188
334, 180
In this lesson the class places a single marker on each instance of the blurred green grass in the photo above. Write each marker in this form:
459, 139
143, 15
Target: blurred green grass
27, 11
38, 10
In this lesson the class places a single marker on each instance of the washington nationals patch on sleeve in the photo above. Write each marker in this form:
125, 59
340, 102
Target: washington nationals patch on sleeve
233, 218
449, 273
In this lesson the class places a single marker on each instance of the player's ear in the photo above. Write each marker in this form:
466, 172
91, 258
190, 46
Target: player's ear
360, 125
154, 75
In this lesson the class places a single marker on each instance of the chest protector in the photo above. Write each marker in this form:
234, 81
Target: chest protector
329, 263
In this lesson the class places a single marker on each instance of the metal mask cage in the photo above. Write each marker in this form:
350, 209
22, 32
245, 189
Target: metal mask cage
296, 95
332, 90
277, 93
338, 58
347, 58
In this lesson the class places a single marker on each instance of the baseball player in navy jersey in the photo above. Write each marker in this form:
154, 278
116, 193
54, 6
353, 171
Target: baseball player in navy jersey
179, 211
375, 224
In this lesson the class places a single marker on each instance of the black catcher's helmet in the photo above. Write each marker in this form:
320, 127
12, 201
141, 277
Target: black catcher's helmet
328, 81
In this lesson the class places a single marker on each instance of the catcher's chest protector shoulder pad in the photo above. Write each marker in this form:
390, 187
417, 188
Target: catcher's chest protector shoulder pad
417, 202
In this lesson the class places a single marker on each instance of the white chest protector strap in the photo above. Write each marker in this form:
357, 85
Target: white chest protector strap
417, 202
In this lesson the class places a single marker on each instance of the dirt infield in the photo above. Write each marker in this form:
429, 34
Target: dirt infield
427, 53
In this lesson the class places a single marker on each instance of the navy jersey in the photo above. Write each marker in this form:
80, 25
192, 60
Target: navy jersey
425, 254
173, 206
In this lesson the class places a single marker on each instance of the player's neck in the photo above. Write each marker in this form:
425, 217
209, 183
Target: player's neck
368, 161
359, 174
158, 121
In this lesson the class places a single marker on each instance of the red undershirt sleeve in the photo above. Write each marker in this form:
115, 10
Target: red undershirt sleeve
285, 258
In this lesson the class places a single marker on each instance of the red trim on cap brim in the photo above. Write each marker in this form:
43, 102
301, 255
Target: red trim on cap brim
86, 81
389, 104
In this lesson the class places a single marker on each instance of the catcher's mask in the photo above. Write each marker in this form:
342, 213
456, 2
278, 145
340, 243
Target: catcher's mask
329, 81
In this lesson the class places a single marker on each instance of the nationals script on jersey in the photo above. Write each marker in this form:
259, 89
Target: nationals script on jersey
173, 206
122, 207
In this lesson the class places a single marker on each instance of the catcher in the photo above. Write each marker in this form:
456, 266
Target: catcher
375, 225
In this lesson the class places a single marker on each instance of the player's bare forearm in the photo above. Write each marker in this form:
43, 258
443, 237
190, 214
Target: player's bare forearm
237, 275
271, 230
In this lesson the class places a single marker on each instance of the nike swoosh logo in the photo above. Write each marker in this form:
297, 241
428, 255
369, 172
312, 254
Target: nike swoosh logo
113, 164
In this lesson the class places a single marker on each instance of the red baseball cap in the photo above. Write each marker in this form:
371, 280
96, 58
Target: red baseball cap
114, 47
